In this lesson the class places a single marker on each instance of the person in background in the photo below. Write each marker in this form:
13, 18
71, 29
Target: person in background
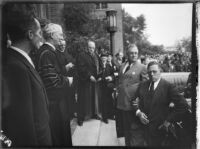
56, 83
88, 64
167, 66
25, 116
118, 60
144, 60
106, 79
131, 74
68, 70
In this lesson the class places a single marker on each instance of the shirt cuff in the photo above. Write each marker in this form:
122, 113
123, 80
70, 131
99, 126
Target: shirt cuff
70, 80
137, 112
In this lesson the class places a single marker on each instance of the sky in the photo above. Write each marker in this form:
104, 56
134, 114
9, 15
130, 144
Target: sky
165, 23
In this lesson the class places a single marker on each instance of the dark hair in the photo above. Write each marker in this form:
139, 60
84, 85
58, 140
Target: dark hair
17, 20
153, 63
117, 54
104, 55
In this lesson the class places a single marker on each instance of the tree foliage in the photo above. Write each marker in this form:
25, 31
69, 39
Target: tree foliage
81, 25
185, 45
134, 33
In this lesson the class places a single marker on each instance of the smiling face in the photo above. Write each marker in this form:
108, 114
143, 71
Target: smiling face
58, 36
132, 54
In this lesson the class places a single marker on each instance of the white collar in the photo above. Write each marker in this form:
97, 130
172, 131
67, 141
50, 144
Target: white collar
24, 54
51, 45
155, 84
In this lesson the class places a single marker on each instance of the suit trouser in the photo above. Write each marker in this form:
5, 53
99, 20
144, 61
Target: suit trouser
133, 132
60, 127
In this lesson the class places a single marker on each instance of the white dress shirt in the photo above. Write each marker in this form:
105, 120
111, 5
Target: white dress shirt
24, 54
155, 86
127, 64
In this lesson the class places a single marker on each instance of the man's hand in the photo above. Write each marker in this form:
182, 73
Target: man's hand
69, 66
165, 126
92, 78
143, 118
108, 78
99, 79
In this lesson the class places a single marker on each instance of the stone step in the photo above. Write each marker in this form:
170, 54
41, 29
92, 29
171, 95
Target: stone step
95, 133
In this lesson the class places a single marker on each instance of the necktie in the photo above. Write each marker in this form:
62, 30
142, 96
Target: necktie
127, 68
151, 93
152, 87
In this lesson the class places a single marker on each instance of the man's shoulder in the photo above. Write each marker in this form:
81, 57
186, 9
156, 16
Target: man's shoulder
46, 50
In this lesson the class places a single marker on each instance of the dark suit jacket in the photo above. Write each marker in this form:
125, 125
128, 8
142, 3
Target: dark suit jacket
105, 72
158, 109
25, 118
86, 66
51, 73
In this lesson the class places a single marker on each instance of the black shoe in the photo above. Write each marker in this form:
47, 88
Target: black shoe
80, 123
105, 121
96, 117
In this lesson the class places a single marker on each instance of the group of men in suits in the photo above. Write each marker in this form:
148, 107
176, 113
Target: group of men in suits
144, 115
95, 84
35, 93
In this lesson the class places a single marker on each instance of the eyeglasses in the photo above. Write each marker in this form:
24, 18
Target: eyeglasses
153, 71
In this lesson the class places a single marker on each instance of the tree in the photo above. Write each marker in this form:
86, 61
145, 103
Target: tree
184, 45
81, 25
134, 33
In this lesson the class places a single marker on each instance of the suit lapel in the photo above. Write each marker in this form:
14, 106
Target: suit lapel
156, 93
27, 64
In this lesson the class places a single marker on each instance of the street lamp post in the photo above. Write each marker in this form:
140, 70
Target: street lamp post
111, 27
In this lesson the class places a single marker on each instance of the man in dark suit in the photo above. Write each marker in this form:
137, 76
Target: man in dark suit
56, 84
88, 64
131, 74
155, 96
25, 117
106, 85
68, 69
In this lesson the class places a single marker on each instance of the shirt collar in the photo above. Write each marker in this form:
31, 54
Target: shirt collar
51, 45
155, 84
24, 54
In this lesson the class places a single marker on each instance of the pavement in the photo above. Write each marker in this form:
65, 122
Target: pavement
94, 133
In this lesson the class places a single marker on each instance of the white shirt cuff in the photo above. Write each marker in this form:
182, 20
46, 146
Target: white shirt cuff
137, 112
70, 80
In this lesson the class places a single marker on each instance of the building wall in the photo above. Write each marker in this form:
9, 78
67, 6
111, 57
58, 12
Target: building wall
53, 13
118, 36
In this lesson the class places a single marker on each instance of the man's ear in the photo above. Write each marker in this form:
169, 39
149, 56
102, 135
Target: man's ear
30, 34
52, 35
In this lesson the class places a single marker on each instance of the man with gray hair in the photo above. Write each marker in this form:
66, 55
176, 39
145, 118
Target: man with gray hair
56, 84
130, 75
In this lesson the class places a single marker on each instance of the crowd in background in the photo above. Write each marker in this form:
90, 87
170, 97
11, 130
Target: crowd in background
44, 87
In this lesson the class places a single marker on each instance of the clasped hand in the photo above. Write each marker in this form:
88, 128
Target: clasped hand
92, 78
143, 118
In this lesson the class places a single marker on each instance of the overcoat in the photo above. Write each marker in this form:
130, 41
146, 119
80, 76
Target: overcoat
25, 117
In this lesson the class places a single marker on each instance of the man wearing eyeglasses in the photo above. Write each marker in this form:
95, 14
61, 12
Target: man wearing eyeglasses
153, 109
56, 84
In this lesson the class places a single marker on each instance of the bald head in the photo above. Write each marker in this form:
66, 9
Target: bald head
91, 46
132, 53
